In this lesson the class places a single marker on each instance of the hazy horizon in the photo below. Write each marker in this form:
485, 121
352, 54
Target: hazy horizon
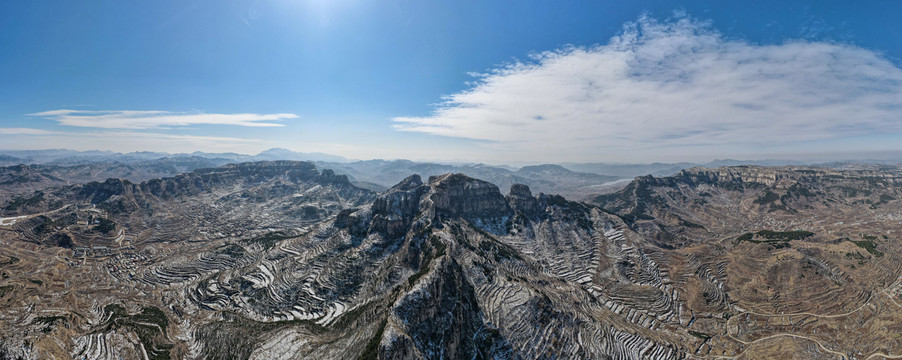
864, 158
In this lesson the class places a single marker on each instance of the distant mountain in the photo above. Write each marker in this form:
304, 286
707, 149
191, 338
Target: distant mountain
667, 169
10, 160
575, 181
26, 178
630, 170
23, 178
60, 156
765, 162
559, 173
73, 167
73, 157
285, 154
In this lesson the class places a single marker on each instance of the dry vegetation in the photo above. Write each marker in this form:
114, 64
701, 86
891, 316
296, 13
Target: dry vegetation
738, 262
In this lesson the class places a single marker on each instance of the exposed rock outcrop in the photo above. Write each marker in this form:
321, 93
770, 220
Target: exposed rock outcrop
521, 199
441, 318
457, 195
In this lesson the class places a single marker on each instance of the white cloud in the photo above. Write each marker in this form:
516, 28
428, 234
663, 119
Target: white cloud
125, 141
24, 131
671, 87
127, 119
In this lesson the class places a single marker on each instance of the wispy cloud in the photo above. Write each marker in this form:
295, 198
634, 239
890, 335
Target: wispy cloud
25, 131
662, 86
127, 119
125, 141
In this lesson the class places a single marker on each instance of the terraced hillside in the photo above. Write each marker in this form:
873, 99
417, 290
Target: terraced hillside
276, 260
778, 258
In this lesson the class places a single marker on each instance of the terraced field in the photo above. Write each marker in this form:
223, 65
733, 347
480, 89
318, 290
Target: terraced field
281, 261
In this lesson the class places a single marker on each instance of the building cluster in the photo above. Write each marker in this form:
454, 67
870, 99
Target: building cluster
125, 263
94, 252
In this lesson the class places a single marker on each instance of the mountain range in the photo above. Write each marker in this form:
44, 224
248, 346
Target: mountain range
577, 181
282, 260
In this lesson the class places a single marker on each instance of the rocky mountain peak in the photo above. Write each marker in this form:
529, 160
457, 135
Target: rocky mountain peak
394, 211
545, 168
520, 191
461, 195
98, 192
329, 177
445, 196
521, 199
409, 183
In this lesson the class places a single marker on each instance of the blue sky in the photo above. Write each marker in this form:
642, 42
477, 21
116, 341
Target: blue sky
484, 81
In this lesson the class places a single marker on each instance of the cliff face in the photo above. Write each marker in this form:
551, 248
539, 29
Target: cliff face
734, 175
522, 200
459, 195
412, 204
445, 196
698, 199
774, 176
639, 198
206, 180
203, 180
394, 212
98, 192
